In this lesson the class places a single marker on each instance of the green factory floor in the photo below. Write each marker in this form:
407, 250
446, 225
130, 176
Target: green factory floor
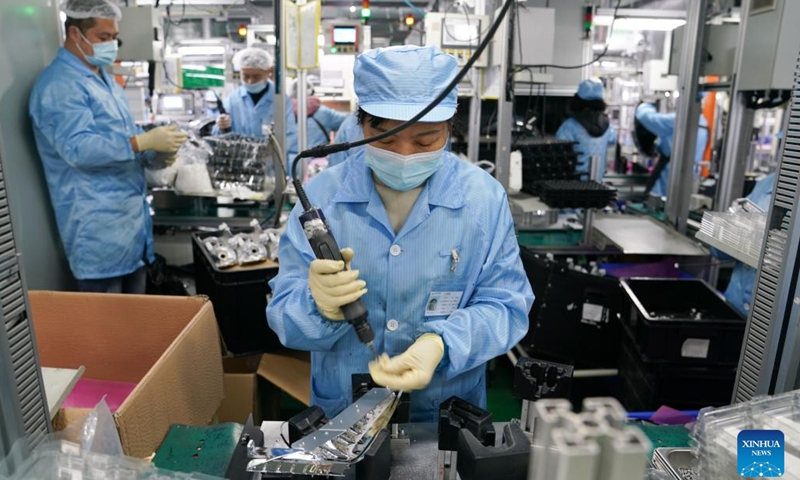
500, 401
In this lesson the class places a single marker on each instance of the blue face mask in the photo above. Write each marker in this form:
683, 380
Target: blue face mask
255, 88
403, 172
104, 53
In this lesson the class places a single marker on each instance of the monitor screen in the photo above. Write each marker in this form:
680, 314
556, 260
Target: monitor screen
172, 102
460, 33
345, 35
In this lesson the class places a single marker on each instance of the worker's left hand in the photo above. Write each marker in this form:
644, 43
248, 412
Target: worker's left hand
412, 369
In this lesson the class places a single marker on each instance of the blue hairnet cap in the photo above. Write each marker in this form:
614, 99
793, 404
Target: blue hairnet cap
397, 83
591, 89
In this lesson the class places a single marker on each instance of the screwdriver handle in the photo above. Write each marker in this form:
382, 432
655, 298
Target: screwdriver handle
325, 248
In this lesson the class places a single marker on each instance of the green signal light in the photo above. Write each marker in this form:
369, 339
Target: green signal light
366, 13
334, 49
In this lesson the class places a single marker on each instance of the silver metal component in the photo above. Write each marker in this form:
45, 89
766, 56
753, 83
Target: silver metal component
642, 236
687, 116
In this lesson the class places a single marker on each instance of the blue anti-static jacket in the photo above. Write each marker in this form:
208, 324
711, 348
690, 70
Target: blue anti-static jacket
461, 208
82, 125
740, 288
662, 125
330, 120
588, 145
349, 131
248, 118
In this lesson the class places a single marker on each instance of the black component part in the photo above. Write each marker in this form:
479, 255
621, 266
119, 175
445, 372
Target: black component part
546, 160
537, 379
237, 468
574, 316
478, 461
456, 414
362, 383
377, 461
305, 423
239, 298
324, 246
663, 161
692, 325
645, 386
575, 193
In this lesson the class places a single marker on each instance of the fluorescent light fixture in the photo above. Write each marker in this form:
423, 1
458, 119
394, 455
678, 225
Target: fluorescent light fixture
201, 50
352, 9
641, 24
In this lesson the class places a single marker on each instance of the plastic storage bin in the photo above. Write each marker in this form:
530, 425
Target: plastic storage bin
239, 296
646, 386
683, 321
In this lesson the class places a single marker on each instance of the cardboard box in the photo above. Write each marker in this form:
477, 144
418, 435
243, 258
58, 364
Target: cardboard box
168, 346
290, 371
241, 390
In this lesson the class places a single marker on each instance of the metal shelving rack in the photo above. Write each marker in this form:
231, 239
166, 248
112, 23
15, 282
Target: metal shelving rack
23, 406
770, 361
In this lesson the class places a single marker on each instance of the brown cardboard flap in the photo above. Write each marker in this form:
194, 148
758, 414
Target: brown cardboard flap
290, 371
135, 333
241, 398
183, 387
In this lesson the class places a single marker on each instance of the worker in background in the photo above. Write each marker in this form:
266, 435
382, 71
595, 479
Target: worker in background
321, 120
94, 154
349, 131
740, 288
251, 107
588, 125
662, 125
416, 224
211, 107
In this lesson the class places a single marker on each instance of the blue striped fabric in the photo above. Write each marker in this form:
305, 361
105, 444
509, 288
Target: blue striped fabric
461, 208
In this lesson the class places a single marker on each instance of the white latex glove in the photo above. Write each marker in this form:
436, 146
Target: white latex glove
412, 369
224, 121
171, 160
161, 139
332, 286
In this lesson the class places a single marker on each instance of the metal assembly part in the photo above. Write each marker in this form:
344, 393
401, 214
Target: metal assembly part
336, 446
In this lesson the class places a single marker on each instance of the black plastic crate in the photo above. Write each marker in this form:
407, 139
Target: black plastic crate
574, 318
682, 320
240, 300
646, 386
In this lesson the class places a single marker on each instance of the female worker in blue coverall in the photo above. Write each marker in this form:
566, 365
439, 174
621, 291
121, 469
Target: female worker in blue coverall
321, 120
252, 106
94, 154
740, 288
418, 224
588, 125
662, 125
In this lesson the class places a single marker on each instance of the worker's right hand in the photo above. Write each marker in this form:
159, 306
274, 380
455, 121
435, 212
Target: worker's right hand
332, 286
161, 139
224, 121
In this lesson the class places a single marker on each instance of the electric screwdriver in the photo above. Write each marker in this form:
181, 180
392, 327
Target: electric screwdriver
222, 111
325, 247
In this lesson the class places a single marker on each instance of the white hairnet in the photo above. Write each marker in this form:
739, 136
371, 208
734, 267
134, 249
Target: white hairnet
309, 88
253, 58
83, 9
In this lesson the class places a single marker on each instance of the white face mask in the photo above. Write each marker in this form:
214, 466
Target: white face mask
403, 172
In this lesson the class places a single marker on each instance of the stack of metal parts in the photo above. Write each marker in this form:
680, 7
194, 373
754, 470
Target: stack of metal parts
677, 463
595, 444
546, 160
743, 232
335, 447
244, 248
717, 431
241, 162
576, 194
